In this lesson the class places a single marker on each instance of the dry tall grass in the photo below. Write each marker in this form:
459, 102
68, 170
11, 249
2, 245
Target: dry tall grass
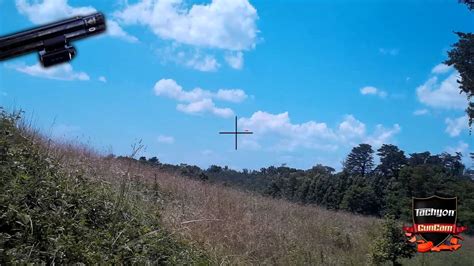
235, 227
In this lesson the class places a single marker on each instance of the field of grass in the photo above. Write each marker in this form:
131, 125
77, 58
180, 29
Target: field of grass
237, 227
50, 213
183, 221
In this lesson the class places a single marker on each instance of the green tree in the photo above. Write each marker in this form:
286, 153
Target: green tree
421, 180
469, 3
319, 168
360, 161
461, 57
330, 189
419, 158
291, 186
302, 194
391, 245
214, 169
396, 202
360, 198
274, 190
203, 177
453, 163
392, 159
154, 160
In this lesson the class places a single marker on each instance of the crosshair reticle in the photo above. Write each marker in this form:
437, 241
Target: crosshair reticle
236, 133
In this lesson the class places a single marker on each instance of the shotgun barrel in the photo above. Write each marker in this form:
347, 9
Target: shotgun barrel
52, 41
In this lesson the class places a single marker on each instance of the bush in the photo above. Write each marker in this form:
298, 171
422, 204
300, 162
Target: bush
391, 245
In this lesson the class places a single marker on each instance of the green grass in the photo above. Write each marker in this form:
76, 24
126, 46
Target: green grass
47, 216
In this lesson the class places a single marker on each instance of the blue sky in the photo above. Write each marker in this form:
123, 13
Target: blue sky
310, 78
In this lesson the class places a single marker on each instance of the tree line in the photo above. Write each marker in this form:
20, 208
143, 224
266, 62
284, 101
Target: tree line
361, 187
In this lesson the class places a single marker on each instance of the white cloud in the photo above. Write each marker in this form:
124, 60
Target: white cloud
114, 29
59, 72
264, 122
389, 51
231, 95
190, 57
103, 79
165, 139
420, 112
291, 135
169, 88
206, 63
198, 101
222, 24
441, 69
228, 25
40, 12
461, 147
382, 135
370, 90
250, 144
354, 131
235, 60
455, 126
311, 134
351, 128
443, 95
203, 106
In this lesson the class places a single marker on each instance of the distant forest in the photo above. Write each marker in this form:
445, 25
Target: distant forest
360, 187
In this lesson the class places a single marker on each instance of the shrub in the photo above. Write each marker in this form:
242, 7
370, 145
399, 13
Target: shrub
391, 245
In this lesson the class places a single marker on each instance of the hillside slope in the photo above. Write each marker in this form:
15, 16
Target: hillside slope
52, 215
237, 227
63, 202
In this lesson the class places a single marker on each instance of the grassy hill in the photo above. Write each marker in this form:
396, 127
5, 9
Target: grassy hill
54, 212
62, 202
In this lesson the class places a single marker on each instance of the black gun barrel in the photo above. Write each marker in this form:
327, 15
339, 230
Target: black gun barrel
41, 38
